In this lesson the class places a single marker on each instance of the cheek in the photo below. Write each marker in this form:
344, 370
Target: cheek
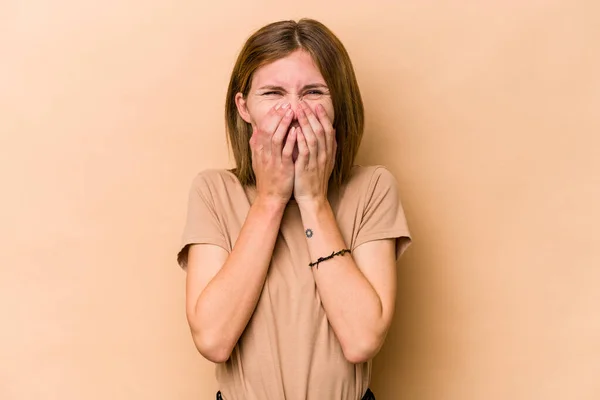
329, 111
327, 105
258, 112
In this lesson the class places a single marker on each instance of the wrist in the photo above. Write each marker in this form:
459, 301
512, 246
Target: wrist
270, 203
313, 204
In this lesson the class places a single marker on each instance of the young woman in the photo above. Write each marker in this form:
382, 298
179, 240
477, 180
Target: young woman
291, 256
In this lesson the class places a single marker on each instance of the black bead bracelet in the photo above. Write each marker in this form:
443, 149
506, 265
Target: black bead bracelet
339, 253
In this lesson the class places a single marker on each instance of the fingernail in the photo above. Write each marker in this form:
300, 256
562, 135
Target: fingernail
288, 112
286, 105
277, 106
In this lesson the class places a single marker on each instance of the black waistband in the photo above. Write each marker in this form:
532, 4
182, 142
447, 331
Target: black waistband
368, 395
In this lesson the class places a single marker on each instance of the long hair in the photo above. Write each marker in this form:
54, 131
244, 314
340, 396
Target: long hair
275, 41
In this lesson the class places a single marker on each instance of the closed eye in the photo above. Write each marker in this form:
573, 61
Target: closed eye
314, 94
271, 93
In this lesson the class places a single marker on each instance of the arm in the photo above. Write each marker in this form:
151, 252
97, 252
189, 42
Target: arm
357, 291
222, 291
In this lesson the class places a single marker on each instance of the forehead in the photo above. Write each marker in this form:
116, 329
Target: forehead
296, 68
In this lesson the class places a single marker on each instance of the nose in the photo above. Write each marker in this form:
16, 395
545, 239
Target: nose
294, 101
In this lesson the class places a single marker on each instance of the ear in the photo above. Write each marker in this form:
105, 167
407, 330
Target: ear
242, 107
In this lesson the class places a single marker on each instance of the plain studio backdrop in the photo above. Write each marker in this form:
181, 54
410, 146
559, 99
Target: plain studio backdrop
486, 112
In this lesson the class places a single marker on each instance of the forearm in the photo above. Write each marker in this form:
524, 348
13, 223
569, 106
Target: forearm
352, 306
226, 304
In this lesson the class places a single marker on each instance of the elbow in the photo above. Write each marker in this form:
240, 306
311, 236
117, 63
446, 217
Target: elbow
215, 355
213, 349
358, 355
362, 349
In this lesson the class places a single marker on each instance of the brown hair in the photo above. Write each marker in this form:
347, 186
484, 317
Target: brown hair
275, 41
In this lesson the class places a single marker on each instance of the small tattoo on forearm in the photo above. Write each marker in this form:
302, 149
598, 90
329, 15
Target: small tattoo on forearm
309, 233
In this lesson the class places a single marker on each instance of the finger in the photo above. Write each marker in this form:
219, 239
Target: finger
268, 126
317, 129
278, 137
303, 152
335, 146
255, 153
288, 149
252, 141
256, 144
327, 127
309, 137
334, 151
274, 117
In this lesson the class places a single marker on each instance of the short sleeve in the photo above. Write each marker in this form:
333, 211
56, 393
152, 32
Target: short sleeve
202, 225
383, 216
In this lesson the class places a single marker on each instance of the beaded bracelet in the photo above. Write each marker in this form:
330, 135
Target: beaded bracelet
339, 253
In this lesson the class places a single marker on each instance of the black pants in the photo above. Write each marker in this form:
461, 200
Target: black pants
368, 395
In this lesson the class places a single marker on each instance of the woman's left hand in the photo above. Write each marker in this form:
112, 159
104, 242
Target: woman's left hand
317, 149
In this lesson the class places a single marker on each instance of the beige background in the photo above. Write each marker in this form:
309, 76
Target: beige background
487, 113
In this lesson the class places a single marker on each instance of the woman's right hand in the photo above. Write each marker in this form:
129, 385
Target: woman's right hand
272, 155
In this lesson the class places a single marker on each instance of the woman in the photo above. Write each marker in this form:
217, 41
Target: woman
291, 256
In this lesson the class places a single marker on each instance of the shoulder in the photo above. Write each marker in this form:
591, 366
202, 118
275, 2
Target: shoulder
366, 178
214, 178
217, 186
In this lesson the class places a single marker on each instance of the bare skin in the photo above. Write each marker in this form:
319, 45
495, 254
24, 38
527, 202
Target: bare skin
222, 290
293, 153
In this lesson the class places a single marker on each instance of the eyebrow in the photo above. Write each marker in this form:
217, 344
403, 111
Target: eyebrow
309, 86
